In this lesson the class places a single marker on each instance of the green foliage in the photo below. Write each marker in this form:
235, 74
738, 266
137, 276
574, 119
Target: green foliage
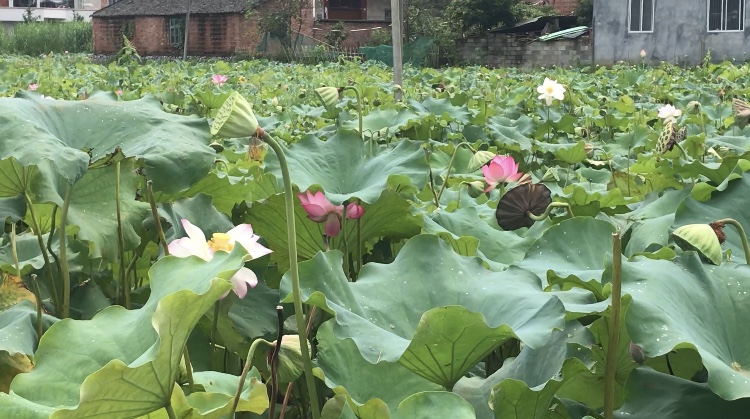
585, 12
44, 38
337, 34
481, 15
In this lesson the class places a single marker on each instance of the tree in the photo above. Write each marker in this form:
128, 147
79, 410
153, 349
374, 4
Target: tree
278, 23
481, 15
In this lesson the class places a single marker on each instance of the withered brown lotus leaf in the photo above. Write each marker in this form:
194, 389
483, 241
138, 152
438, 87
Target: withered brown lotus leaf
513, 206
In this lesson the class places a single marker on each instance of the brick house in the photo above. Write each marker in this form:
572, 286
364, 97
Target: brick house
216, 27
360, 18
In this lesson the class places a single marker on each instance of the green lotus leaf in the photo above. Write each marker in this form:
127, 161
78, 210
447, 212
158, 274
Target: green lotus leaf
393, 311
577, 246
18, 328
380, 122
685, 304
372, 390
729, 203
532, 367
337, 408
389, 216
652, 220
432, 404
93, 207
701, 238
653, 395
131, 357
172, 149
341, 167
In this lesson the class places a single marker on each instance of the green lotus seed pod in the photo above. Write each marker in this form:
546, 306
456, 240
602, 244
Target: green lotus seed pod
328, 95
702, 239
479, 159
235, 118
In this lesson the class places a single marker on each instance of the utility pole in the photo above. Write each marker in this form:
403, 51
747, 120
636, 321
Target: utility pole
187, 26
398, 46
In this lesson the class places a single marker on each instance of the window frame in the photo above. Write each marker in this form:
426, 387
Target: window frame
743, 7
630, 16
176, 24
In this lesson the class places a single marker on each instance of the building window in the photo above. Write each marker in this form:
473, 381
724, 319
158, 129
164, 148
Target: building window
642, 15
346, 9
176, 31
726, 15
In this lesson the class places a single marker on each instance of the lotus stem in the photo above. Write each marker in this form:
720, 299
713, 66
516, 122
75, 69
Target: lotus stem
450, 165
546, 213
743, 237
359, 109
121, 240
294, 271
344, 246
360, 262
38, 296
170, 410
14, 250
684, 153
64, 254
155, 214
188, 368
45, 255
610, 370
245, 370
274, 361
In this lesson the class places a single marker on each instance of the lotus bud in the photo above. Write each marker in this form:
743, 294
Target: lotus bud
476, 188
694, 107
328, 95
589, 148
636, 352
479, 159
235, 118
291, 364
275, 101
218, 147
702, 239
643, 53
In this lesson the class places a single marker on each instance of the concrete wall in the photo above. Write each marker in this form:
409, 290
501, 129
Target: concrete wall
680, 35
518, 50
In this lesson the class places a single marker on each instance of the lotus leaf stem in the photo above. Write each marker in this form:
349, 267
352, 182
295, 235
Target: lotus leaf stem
38, 296
450, 165
155, 214
684, 153
275, 359
610, 370
170, 411
359, 244
743, 237
546, 213
359, 109
121, 240
14, 251
188, 368
294, 271
344, 244
45, 255
64, 254
245, 370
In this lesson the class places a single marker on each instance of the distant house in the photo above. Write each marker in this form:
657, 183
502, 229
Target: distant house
13, 11
157, 27
679, 31
360, 18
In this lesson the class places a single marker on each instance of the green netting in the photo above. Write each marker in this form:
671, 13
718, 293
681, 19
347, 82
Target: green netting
415, 53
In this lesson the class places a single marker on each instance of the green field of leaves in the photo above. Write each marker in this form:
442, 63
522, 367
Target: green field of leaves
207, 239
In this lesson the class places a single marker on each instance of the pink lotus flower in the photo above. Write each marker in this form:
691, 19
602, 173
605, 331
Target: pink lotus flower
33, 86
195, 244
119, 92
320, 210
501, 169
218, 79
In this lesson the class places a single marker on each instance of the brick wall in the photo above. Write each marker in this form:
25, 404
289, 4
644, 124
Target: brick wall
217, 34
565, 7
518, 50
359, 31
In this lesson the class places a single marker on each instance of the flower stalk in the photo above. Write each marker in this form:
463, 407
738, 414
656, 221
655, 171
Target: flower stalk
245, 370
45, 255
546, 213
65, 311
610, 370
121, 241
741, 232
155, 215
293, 271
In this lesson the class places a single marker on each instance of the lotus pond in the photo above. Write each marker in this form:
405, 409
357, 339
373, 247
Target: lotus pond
563, 243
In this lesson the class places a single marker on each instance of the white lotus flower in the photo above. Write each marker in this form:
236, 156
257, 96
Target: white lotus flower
550, 90
669, 113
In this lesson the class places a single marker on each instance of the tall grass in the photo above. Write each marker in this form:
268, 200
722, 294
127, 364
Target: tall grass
44, 37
